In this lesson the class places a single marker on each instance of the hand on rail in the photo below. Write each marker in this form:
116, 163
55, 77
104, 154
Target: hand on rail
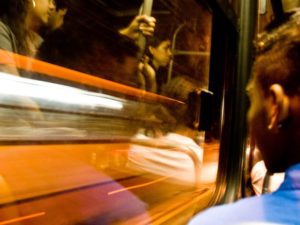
141, 24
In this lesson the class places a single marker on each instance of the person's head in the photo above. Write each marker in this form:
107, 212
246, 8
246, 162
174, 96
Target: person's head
25, 16
160, 51
40, 12
274, 91
56, 20
181, 88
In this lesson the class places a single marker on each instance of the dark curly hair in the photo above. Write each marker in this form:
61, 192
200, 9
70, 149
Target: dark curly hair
13, 13
278, 53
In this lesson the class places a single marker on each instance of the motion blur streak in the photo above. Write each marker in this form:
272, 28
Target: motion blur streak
33, 65
22, 218
137, 186
61, 93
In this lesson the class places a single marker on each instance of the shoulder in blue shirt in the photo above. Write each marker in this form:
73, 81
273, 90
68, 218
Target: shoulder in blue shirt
280, 207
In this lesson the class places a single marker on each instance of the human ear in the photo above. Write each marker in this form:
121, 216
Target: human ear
277, 106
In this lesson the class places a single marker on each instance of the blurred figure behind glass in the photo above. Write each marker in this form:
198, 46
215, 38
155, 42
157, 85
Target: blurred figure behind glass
20, 25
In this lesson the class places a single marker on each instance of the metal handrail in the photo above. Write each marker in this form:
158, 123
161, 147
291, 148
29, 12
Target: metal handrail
146, 9
181, 52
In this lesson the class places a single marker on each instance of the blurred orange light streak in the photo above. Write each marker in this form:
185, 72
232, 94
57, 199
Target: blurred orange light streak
38, 66
136, 186
22, 218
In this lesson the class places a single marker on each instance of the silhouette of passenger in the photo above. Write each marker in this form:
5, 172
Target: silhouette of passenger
182, 162
20, 24
157, 58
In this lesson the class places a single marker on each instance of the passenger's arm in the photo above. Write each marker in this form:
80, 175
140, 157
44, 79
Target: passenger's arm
7, 60
149, 75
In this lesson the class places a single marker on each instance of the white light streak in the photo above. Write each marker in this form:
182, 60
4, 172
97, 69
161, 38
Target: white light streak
18, 86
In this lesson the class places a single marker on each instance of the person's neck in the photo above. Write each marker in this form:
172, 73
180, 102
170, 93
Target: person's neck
155, 64
32, 24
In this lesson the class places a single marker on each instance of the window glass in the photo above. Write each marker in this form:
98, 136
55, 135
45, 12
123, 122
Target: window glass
103, 111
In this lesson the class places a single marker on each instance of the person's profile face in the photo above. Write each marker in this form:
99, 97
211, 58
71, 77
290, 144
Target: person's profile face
43, 9
256, 115
56, 19
162, 53
255, 102
270, 143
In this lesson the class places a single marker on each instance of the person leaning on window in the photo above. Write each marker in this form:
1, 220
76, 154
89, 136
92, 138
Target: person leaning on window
274, 120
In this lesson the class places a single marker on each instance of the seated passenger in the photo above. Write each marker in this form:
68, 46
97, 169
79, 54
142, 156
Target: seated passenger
179, 162
20, 23
56, 19
274, 119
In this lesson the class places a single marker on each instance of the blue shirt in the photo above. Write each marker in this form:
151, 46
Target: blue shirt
279, 207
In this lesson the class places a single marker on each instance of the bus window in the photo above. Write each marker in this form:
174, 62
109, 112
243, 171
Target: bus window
96, 129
